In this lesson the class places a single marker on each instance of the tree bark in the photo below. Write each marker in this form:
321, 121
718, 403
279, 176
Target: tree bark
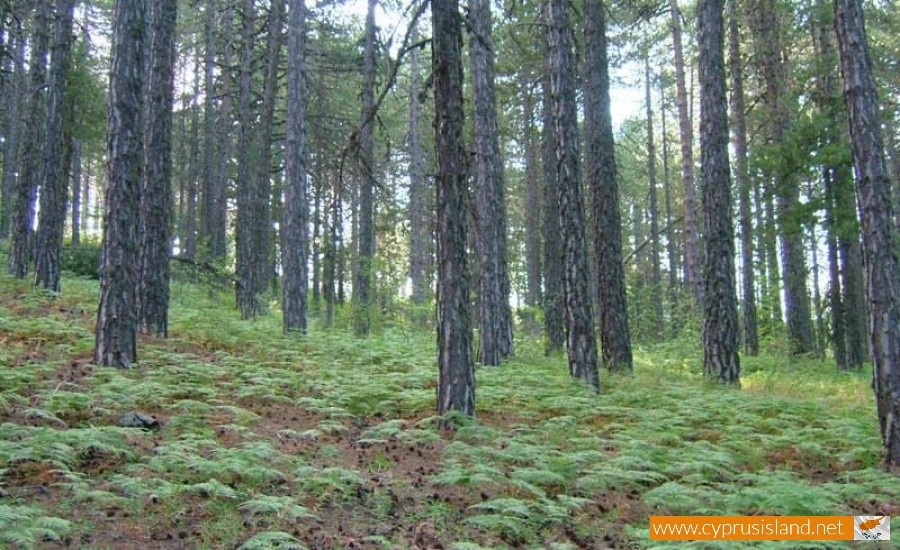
55, 173
420, 236
672, 251
456, 382
15, 102
31, 161
294, 225
602, 179
554, 285
581, 346
692, 275
264, 262
873, 193
742, 182
77, 158
495, 328
656, 299
363, 299
720, 323
117, 319
247, 290
532, 199
213, 242
156, 195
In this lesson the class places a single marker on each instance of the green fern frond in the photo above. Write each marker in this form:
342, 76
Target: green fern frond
272, 539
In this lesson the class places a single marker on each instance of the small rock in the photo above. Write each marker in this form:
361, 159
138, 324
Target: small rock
137, 419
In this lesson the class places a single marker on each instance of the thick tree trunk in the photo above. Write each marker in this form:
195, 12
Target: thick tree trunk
363, 294
55, 174
581, 346
554, 284
656, 298
874, 197
247, 290
31, 161
156, 195
117, 315
742, 182
456, 382
602, 179
14, 104
532, 199
294, 224
692, 275
493, 295
720, 322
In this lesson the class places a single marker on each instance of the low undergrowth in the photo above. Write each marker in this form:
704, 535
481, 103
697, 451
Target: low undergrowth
329, 441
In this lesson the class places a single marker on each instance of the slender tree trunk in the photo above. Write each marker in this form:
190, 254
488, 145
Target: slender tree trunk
671, 242
554, 284
117, 318
54, 185
296, 207
720, 322
456, 381
656, 298
493, 295
532, 199
263, 188
692, 275
835, 298
818, 333
14, 104
418, 223
602, 179
76, 191
742, 182
580, 340
874, 195
86, 211
363, 299
190, 224
211, 157
156, 195
318, 227
247, 215
31, 162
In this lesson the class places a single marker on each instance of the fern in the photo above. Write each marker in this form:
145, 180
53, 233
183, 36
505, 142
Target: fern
273, 505
272, 539
26, 526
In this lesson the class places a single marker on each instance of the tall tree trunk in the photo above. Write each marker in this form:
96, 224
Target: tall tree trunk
294, 233
456, 381
419, 234
671, 243
76, 191
554, 284
248, 300
493, 295
742, 182
692, 275
873, 192
31, 162
211, 157
720, 323
363, 299
835, 295
263, 263
190, 225
581, 346
15, 101
54, 185
532, 199
117, 318
785, 186
602, 179
653, 208
156, 195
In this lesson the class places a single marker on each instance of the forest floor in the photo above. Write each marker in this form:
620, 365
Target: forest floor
329, 441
